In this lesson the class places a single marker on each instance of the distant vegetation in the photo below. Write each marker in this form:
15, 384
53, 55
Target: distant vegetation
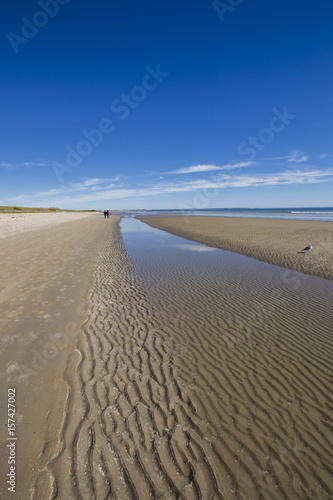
32, 209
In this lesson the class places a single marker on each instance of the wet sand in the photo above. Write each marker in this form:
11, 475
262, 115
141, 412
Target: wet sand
174, 377
47, 261
250, 347
277, 242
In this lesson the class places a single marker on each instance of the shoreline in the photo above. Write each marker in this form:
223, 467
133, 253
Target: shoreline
277, 242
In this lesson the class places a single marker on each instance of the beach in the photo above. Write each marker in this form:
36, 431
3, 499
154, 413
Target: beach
47, 264
13, 224
146, 366
277, 242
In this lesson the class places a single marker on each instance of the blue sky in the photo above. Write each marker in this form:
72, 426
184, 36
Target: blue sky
191, 104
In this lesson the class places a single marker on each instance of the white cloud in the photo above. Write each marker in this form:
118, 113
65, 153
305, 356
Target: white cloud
325, 155
224, 181
297, 157
101, 190
196, 168
5, 164
210, 168
20, 198
293, 157
37, 164
27, 164
88, 185
52, 192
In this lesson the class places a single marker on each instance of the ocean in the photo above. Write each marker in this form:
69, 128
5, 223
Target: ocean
299, 213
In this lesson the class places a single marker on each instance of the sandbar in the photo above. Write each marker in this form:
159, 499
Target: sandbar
278, 242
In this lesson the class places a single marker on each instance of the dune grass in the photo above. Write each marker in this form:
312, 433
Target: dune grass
4, 209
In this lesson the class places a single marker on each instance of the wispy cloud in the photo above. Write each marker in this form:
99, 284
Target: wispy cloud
88, 183
224, 181
297, 157
26, 164
293, 157
7, 165
94, 184
325, 155
210, 168
101, 190
30, 164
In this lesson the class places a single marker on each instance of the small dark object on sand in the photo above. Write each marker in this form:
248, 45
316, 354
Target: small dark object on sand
309, 247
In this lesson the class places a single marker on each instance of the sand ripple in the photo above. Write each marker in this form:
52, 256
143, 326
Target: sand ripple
172, 397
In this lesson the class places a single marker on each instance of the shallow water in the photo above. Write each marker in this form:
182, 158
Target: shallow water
251, 345
161, 258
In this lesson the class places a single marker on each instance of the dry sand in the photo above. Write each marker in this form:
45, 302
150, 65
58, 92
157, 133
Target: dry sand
277, 242
11, 224
185, 390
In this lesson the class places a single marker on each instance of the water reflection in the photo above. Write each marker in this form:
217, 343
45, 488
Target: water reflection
131, 225
140, 235
195, 247
159, 256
